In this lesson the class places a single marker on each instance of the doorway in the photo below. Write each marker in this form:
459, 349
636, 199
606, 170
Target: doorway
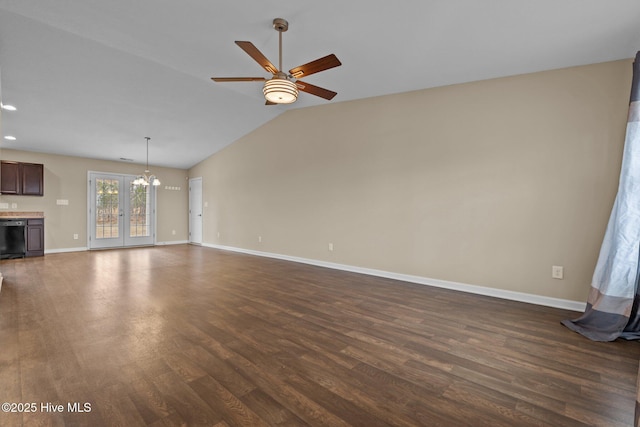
195, 211
121, 214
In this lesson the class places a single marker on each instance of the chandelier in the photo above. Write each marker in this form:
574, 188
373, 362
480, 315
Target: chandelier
146, 178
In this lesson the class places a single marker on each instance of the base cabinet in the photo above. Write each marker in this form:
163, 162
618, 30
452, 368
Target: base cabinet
35, 237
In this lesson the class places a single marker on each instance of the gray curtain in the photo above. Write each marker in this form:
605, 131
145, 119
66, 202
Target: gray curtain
612, 304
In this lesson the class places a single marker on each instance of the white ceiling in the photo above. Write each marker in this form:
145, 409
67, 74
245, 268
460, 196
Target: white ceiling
92, 78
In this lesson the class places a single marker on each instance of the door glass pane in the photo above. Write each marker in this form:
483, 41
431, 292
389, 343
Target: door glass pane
107, 208
139, 211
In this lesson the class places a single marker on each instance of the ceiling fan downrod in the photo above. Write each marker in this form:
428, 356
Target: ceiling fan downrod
280, 25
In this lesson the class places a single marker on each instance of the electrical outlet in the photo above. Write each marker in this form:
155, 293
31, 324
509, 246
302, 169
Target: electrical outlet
259, 239
330, 247
75, 237
557, 272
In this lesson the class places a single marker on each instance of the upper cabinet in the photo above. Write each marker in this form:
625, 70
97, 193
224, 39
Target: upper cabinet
23, 179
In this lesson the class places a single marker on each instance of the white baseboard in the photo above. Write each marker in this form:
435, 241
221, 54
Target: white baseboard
84, 248
172, 242
464, 287
62, 250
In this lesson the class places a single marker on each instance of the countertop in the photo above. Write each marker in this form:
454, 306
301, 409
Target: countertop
25, 215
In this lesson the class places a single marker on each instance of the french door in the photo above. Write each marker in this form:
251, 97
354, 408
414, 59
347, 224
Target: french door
120, 213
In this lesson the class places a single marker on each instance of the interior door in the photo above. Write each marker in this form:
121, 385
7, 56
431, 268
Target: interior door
195, 210
120, 213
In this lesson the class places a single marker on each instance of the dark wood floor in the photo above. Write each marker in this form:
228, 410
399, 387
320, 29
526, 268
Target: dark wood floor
184, 335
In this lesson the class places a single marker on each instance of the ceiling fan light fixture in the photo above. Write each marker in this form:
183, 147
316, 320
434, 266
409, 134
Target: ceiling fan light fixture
283, 88
280, 91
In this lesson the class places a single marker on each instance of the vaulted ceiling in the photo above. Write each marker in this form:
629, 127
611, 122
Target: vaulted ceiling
92, 78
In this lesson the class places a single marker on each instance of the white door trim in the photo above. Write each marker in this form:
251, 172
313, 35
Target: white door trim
195, 211
124, 239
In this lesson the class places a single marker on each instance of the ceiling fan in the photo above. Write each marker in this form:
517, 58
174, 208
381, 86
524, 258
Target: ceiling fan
283, 88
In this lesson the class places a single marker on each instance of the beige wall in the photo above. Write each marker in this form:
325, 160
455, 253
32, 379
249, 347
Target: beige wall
488, 183
66, 178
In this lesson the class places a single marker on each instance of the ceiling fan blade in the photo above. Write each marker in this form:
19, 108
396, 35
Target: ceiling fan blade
257, 56
237, 79
270, 103
316, 66
316, 90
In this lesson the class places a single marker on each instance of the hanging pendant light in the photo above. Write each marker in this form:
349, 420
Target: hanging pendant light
146, 178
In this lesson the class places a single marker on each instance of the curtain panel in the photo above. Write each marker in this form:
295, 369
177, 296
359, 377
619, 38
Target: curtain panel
612, 304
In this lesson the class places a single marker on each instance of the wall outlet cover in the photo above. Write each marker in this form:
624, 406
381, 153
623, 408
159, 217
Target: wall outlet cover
557, 272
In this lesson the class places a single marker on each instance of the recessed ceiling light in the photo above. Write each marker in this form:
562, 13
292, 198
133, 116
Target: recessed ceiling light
10, 138
8, 107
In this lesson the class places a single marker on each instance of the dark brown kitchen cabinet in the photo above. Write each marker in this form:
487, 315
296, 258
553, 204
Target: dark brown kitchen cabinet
10, 178
22, 179
35, 237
